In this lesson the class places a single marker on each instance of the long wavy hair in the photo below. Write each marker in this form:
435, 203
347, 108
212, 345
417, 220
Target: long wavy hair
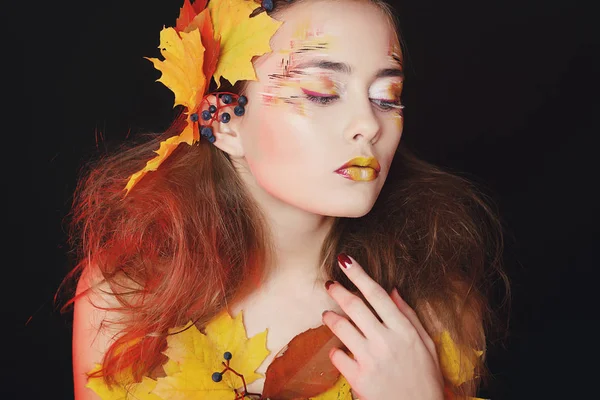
189, 239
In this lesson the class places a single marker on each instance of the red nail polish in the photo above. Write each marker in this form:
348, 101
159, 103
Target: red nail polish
328, 283
344, 260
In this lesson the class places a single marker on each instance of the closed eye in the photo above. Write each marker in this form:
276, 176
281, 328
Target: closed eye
319, 98
323, 99
387, 105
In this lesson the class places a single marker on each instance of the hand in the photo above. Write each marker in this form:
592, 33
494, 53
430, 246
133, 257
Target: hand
395, 359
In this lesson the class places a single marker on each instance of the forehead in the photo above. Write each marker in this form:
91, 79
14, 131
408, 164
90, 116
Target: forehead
355, 32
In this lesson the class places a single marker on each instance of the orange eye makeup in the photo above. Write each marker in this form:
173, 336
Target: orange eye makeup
313, 93
323, 85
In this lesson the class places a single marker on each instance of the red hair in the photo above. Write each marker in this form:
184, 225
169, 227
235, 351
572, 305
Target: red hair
188, 238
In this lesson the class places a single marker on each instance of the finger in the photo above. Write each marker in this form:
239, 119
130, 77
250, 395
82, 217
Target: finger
412, 316
377, 297
345, 364
346, 332
356, 309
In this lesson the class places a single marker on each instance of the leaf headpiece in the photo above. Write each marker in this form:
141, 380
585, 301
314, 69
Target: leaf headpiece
211, 40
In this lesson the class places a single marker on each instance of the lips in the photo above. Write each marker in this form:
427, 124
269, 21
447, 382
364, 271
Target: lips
360, 169
370, 162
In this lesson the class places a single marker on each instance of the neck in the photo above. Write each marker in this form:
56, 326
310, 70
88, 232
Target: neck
297, 235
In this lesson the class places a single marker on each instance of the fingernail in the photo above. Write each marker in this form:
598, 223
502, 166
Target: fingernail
344, 260
328, 283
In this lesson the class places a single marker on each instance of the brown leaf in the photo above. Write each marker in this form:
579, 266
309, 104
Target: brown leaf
303, 369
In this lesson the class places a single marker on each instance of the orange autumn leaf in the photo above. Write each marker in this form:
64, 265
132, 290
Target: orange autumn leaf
186, 15
303, 369
211, 43
196, 16
199, 5
241, 38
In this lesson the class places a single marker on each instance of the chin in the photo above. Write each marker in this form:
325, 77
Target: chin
355, 210
357, 213
347, 205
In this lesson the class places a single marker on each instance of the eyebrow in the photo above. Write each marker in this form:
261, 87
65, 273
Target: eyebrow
347, 69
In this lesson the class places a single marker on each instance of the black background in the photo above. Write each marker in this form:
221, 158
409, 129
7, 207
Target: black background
504, 91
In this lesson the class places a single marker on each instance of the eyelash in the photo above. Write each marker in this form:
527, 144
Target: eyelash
385, 105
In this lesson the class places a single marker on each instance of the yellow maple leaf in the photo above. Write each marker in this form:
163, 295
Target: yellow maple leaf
458, 365
137, 391
241, 38
189, 135
341, 390
236, 38
199, 355
182, 72
181, 68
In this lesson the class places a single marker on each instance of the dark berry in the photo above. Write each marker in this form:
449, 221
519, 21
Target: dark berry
225, 118
217, 376
194, 117
267, 5
212, 109
239, 110
242, 101
211, 139
227, 355
206, 131
226, 99
206, 115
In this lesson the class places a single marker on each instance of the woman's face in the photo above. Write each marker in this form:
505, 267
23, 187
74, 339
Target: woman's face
328, 92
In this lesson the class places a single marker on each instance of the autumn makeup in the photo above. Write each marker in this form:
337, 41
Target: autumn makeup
326, 115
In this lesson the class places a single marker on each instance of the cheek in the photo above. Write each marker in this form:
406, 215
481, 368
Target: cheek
387, 145
281, 142
276, 140
398, 121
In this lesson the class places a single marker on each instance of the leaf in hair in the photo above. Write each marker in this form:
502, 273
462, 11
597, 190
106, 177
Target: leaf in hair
166, 147
242, 38
181, 70
458, 365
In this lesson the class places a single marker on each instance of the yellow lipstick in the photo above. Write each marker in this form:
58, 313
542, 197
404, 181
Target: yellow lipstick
360, 169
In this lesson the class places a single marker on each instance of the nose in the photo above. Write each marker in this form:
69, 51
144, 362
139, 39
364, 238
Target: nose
363, 123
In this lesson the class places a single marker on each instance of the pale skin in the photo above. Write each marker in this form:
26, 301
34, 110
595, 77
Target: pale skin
286, 153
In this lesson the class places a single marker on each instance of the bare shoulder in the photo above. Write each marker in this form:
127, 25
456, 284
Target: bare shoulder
91, 335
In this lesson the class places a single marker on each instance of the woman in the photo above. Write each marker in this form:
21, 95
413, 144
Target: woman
294, 198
